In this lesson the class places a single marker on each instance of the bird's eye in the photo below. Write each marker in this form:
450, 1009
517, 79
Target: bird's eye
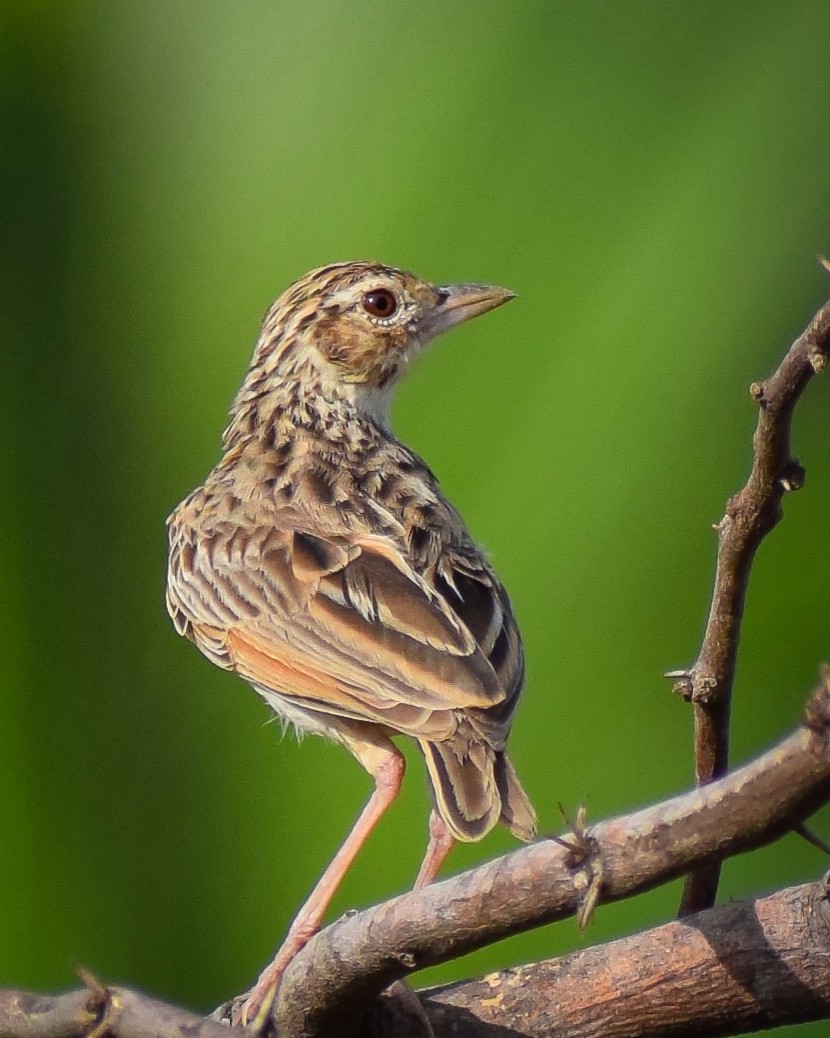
380, 303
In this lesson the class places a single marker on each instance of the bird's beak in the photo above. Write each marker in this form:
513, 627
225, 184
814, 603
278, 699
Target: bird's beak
457, 303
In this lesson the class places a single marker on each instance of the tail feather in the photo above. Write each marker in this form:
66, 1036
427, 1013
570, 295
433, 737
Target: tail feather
516, 809
475, 787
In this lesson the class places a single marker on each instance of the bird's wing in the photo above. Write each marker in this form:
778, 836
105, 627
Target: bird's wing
346, 626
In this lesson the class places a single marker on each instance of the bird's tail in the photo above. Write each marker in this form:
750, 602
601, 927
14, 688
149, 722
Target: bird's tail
475, 787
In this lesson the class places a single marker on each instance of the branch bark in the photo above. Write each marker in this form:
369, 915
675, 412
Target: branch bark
737, 968
740, 967
750, 515
99, 1012
345, 967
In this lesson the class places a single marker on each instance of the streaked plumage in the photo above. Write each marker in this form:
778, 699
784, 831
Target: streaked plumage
321, 562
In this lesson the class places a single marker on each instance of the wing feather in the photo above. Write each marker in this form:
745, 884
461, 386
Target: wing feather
348, 627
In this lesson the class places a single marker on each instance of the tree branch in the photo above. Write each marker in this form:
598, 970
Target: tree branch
342, 970
99, 1012
740, 967
750, 515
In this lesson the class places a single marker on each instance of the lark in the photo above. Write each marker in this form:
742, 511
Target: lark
321, 562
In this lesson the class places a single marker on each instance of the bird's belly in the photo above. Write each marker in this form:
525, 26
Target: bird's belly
304, 721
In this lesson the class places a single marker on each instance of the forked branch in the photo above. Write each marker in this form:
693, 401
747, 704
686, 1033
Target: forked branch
750, 515
745, 966
748, 964
345, 966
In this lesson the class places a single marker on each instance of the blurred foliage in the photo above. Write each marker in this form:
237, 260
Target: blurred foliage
651, 178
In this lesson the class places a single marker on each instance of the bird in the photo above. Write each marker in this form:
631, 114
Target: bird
321, 562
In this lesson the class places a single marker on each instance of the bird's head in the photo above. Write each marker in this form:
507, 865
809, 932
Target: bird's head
351, 329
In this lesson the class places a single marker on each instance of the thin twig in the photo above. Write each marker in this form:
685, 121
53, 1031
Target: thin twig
750, 515
328, 986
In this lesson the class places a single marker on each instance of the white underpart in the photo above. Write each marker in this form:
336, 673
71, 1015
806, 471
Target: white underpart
303, 722
373, 402
370, 401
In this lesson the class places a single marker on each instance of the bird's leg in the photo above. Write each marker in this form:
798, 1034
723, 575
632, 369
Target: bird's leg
441, 842
386, 766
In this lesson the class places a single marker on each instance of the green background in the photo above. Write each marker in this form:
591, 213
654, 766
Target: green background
653, 179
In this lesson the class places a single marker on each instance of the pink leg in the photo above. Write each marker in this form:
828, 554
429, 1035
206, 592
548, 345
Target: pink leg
386, 766
441, 842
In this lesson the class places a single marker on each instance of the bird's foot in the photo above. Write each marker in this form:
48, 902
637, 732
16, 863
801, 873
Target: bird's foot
252, 1009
